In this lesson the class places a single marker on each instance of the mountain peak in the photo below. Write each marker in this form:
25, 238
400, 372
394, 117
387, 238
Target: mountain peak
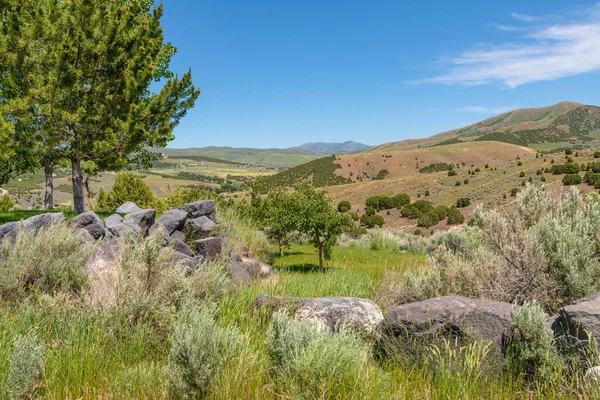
349, 146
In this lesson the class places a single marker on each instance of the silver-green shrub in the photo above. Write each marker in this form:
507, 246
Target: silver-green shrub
286, 338
50, 261
200, 347
529, 349
26, 367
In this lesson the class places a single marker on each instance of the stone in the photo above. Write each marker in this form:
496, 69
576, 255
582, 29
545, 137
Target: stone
144, 219
328, 312
102, 268
181, 247
257, 269
209, 248
451, 316
38, 222
85, 235
128, 208
200, 208
191, 263
178, 235
9, 231
579, 319
198, 228
112, 221
237, 272
85, 219
120, 230
243, 270
172, 220
97, 231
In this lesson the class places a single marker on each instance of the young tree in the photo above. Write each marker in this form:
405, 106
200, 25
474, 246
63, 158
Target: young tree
281, 214
318, 219
99, 59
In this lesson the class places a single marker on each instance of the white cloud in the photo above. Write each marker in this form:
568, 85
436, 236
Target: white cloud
545, 53
485, 109
523, 17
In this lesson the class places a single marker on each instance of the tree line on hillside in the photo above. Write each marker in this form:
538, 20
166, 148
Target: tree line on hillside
86, 84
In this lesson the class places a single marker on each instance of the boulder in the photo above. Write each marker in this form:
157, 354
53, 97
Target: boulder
119, 230
257, 269
97, 231
85, 235
85, 219
198, 228
209, 248
451, 316
181, 247
237, 272
243, 270
191, 263
128, 208
144, 219
102, 269
38, 222
579, 319
200, 208
172, 220
112, 221
328, 312
178, 235
9, 231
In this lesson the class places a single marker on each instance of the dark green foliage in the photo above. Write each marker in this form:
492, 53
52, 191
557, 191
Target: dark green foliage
319, 172
441, 211
593, 166
370, 211
428, 220
6, 203
568, 168
547, 170
452, 173
571, 179
463, 202
597, 154
438, 167
530, 179
523, 183
381, 175
426, 193
519, 163
423, 206
454, 216
543, 179
522, 174
568, 151
410, 211
457, 183
418, 232
487, 166
127, 187
514, 191
569, 159
400, 200
371, 221
466, 182
477, 170
344, 206
592, 178
539, 172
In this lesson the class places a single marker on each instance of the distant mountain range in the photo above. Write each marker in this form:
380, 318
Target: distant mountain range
563, 124
334, 148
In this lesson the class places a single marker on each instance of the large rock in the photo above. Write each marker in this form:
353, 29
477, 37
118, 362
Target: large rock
209, 248
85, 219
244, 270
45, 221
178, 235
451, 316
172, 220
112, 221
329, 312
97, 231
580, 319
189, 262
181, 247
121, 229
128, 208
198, 228
102, 268
9, 231
201, 208
144, 219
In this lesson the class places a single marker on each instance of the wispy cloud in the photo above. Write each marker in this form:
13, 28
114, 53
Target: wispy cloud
485, 109
545, 52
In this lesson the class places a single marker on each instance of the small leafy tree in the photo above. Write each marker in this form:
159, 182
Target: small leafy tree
463, 202
127, 187
6, 203
428, 220
281, 214
318, 219
344, 206
455, 217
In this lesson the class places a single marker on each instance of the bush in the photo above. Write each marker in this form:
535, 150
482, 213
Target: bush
6, 203
466, 182
127, 187
441, 211
455, 217
463, 202
568, 168
380, 203
571, 179
514, 191
423, 206
426, 193
428, 220
344, 206
200, 348
371, 221
543, 179
597, 154
452, 173
410, 211
568, 151
400, 200
51, 261
529, 349
25, 367
457, 183
522, 174
381, 175
539, 172
519, 163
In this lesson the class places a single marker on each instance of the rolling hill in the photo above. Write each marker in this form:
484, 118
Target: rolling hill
334, 148
560, 125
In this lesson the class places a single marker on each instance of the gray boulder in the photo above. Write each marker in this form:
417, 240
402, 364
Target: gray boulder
209, 248
85, 235
579, 319
201, 208
451, 316
85, 219
189, 262
181, 247
144, 219
328, 312
112, 221
172, 220
244, 270
97, 231
120, 230
178, 235
128, 208
45, 221
102, 269
9, 231
198, 228
237, 272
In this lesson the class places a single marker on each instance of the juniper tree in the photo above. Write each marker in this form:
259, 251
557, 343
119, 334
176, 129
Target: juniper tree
100, 81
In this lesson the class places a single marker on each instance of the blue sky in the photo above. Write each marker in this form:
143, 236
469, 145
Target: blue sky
281, 73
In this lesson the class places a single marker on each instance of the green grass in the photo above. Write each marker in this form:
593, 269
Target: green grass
12, 216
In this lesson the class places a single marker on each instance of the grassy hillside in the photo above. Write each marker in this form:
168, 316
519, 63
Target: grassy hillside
563, 124
278, 157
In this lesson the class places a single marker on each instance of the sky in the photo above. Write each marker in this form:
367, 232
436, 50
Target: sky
279, 73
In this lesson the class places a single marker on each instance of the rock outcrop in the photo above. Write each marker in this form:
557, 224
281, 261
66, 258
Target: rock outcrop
580, 320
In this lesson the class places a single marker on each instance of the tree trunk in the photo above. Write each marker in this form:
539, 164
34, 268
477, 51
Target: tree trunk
281, 248
49, 191
321, 258
77, 178
86, 192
